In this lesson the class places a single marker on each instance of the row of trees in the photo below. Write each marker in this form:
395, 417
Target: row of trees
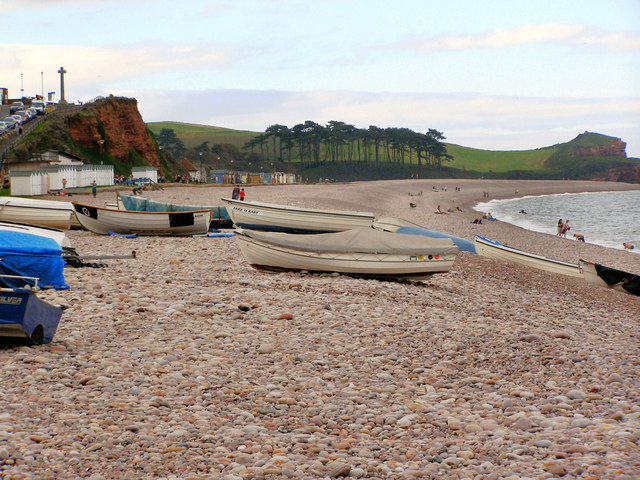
314, 145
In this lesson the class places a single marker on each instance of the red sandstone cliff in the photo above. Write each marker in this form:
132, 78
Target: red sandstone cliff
117, 121
614, 148
627, 174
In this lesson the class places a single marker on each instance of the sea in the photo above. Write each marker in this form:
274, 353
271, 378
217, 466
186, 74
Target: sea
604, 218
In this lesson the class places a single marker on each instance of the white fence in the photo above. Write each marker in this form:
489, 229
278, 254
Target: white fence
40, 182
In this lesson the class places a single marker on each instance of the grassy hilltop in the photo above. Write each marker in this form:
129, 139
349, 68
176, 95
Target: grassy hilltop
589, 155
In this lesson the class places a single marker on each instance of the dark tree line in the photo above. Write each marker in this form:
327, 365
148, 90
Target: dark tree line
314, 145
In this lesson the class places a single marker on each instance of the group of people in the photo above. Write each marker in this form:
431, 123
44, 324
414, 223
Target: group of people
237, 193
563, 228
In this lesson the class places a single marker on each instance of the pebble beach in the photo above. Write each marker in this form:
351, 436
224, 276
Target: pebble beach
187, 364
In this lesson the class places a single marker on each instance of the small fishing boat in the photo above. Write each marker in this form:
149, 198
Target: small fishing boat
55, 234
399, 225
105, 220
607, 277
135, 203
45, 213
25, 316
358, 252
284, 218
492, 249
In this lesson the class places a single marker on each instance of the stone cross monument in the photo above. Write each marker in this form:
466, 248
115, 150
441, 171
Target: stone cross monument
62, 71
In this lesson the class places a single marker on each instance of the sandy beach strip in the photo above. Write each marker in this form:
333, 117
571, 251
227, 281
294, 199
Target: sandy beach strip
186, 363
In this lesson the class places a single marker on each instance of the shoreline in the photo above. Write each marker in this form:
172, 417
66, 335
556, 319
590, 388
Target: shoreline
186, 363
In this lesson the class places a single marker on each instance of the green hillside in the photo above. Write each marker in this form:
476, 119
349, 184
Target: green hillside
193, 135
589, 155
465, 158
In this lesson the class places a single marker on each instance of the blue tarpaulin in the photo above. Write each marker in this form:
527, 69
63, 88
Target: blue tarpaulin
31, 256
464, 245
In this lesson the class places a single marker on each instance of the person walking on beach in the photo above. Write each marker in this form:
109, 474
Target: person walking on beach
565, 229
94, 188
241, 195
235, 193
560, 225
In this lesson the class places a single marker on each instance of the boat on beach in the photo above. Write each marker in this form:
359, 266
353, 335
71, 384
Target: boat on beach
45, 213
359, 252
492, 249
596, 274
103, 221
399, 225
24, 316
289, 219
219, 216
55, 234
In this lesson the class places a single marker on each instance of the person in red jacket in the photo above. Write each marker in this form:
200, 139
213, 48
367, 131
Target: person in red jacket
241, 195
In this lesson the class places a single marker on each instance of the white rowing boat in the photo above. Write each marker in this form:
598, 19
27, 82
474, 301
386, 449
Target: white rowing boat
284, 218
53, 233
359, 252
45, 213
607, 277
491, 249
106, 220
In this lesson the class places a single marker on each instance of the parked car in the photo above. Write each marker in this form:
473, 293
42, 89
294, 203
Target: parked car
10, 120
23, 114
32, 112
17, 118
15, 106
39, 106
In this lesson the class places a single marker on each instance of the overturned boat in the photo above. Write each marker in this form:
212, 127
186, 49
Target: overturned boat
358, 252
492, 249
607, 277
106, 220
289, 219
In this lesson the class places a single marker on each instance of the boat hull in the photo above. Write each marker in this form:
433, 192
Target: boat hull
45, 213
601, 276
53, 233
490, 249
103, 221
25, 316
382, 265
283, 218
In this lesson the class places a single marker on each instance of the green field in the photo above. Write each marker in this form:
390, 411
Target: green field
193, 135
466, 158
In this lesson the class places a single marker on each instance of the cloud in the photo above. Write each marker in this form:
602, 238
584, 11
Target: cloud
533, 34
115, 62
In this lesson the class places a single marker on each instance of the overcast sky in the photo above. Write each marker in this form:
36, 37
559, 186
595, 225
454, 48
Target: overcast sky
499, 75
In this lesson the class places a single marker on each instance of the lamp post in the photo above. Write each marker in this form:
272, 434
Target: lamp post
200, 176
21, 87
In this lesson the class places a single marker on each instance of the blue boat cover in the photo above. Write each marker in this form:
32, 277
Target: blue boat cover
464, 245
31, 256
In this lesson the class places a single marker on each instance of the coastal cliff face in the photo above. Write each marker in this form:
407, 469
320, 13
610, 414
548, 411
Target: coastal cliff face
614, 148
118, 122
627, 174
